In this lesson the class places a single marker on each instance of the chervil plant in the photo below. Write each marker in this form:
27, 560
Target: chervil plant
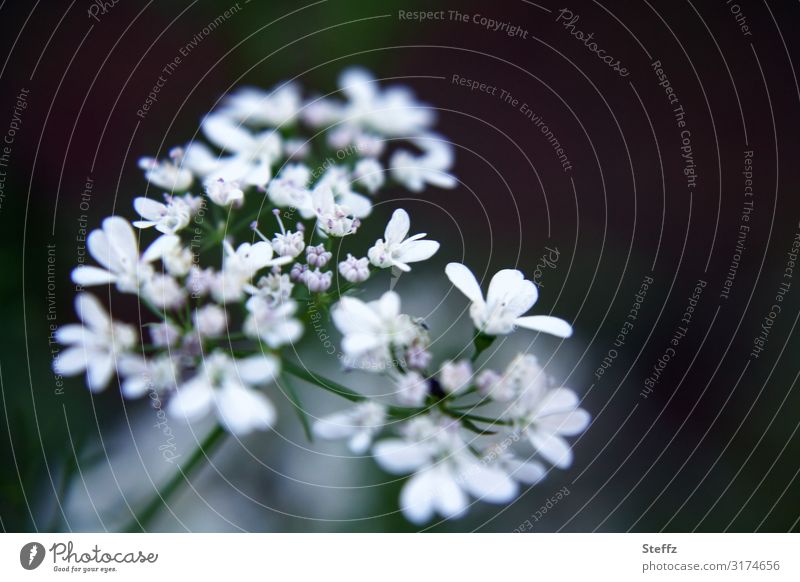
244, 241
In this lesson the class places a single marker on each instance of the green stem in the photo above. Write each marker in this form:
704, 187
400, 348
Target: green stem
481, 342
162, 496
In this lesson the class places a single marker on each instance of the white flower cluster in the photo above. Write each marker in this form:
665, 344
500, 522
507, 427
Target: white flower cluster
226, 298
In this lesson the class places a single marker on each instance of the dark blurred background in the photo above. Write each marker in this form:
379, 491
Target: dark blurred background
713, 447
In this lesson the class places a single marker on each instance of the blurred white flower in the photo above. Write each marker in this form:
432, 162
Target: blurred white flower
93, 346
239, 266
445, 472
169, 217
164, 334
358, 424
455, 376
290, 189
391, 112
171, 175
115, 248
226, 386
142, 375
369, 173
338, 180
432, 167
273, 323
510, 295
164, 291
252, 155
275, 288
412, 388
210, 321
523, 375
372, 329
354, 270
332, 219
278, 107
225, 192
395, 250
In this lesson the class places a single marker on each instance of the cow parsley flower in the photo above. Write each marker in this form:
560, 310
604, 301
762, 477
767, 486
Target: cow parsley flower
158, 374
273, 323
115, 248
414, 171
94, 346
239, 266
412, 388
354, 270
338, 180
455, 376
510, 295
169, 217
253, 106
290, 189
225, 192
358, 424
332, 219
372, 330
226, 386
210, 321
395, 250
171, 175
446, 473
369, 174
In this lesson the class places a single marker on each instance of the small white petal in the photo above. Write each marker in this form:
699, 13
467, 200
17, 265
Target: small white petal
546, 324
398, 456
464, 281
243, 410
87, 276
552, 447
397, 228
488, 483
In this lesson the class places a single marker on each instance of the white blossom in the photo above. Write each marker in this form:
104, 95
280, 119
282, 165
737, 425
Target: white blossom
273, 323
354, 270
395, 250
432, 167
225, 192
253, 106
210, 320
290, 189
338, 180
164, 334
164, 291
239, 266
318, 256
141, 375
332, 218
358, 424
510, 295
446, 473
169, 217
412, 388
226, 386
371, 330
455, 376
116, 249
168, 174
391, 112
93, 346
369, 173
318, 281
275, 288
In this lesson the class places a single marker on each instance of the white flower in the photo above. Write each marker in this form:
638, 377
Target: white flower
354, 270
273, 323
369, 174
338, 180
317, 256
177, 259
372, 329
414, 172
412, 388
226, 386
210, 321
395, 250
523, 375
164, 291
455, 376
321, 111
546, 417
290, 189
239, 266
275, 288
392, 112
93, 346
169, 217
287, 243
168, 174
445, 472
252, 155
141, 376
332, 219
225, 193
164, 334
526, 472
115, 248
510, 295
264, 108
358, 424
